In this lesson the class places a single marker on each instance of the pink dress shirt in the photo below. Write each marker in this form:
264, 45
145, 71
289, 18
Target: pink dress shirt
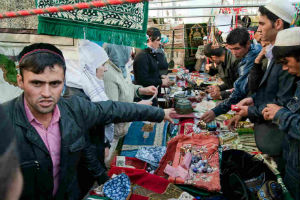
51, 138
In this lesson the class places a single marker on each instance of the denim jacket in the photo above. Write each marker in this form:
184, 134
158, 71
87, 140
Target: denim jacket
288, 120
241, 84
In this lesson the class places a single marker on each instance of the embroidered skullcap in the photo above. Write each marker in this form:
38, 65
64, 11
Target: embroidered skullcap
40, 48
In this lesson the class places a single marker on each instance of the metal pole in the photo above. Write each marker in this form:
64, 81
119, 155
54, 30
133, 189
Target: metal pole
206, 6
64, 8
152, 17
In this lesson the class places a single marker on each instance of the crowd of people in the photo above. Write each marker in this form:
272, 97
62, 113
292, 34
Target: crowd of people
56, 136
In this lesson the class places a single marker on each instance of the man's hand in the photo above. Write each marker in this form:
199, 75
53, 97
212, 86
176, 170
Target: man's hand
145, 102
165, 82
168, 113
150, 90
270, 111
260, 56
233, 122
106, 152
246, 102
244, 111
208, 116
207, 67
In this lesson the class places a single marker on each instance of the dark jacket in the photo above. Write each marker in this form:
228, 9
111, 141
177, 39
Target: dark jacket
277, 86
163, 63
91, 166
228, 72
288, 120
146, 68
77, 116
256, 74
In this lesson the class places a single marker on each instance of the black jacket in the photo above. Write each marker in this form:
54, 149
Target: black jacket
77, 116
256, 74
146, 68
228, 71
277, 86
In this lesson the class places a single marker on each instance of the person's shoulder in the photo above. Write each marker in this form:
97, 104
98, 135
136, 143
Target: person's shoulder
11, 103
74, 102
112, 74
255, 48
143, 53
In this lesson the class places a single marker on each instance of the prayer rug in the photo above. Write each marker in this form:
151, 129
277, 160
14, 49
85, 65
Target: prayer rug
135, 138
124, 24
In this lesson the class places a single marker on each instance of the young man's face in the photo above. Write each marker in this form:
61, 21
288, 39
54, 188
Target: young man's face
267, 29
42, 91
239, 51
291, 65
155, 44
216, 59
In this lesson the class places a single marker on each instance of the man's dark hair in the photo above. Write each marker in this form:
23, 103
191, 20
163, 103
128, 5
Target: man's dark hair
272, 17
209, 51
38, 56
238, 35
280, 52
153, 33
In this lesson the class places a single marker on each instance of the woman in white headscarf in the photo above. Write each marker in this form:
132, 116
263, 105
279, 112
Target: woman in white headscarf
84, 78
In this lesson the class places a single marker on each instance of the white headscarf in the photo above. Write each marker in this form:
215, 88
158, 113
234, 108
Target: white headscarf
91, 57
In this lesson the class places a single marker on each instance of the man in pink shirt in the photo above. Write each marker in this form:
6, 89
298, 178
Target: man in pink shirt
50, 130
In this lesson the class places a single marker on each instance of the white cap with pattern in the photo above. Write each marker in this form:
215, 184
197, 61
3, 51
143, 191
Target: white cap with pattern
288, 37
283, 9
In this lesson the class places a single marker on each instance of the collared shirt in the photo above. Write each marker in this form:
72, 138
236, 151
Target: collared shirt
51, 137
269, 54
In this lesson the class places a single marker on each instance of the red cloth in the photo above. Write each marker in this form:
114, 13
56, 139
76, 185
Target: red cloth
208, 146
186, 126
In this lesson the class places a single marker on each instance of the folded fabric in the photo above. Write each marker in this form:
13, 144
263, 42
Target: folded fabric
205, 173
151, 155
118, 188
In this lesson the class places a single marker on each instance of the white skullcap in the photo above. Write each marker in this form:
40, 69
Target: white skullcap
282, 9
288, 37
